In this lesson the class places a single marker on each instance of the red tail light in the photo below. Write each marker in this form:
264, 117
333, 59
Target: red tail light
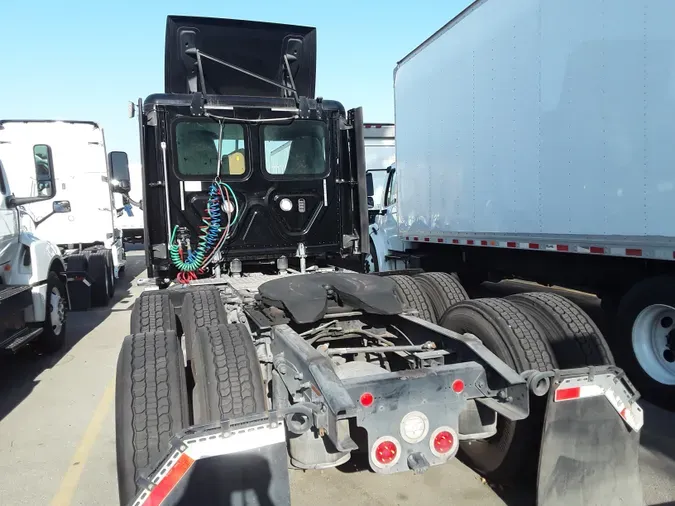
385, 452
444, 442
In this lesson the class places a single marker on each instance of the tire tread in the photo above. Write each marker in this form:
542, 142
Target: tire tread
227, 373
150, 404
410, 293
152, 312
444, 290
576, 339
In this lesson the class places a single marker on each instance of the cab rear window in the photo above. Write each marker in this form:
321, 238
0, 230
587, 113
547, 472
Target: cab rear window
197, 148
295, 150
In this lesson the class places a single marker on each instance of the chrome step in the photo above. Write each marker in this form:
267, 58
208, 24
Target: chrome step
21, 338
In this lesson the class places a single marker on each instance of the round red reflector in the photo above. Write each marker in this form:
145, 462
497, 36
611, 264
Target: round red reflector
458, 386
385, 453
443, 442
366, 399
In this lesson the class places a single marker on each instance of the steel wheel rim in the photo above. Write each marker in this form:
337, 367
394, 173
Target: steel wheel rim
653, 330
57, 310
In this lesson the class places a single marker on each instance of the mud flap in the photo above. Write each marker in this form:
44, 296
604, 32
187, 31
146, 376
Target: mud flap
590, 441
242, 463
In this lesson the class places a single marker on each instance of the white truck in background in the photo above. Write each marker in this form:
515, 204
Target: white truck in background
33, 293
89, 241
379, 143
533, 140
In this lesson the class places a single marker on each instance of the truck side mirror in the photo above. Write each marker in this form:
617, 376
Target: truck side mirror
44, 177
61, 206
44, 170
370, 187
118, 161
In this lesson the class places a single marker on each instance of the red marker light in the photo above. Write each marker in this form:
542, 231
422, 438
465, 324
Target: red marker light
458, 386
366, 399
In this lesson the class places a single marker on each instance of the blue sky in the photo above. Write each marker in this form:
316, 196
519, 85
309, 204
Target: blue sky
86, 60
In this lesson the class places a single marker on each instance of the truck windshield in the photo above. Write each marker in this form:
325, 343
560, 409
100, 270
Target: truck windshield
197, 148
296, 150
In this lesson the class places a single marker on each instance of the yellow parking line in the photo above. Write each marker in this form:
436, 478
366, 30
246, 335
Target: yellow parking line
64, 496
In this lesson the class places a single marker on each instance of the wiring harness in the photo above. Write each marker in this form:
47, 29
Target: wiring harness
212, 233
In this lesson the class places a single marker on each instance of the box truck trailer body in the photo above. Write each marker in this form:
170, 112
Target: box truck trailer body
533, 139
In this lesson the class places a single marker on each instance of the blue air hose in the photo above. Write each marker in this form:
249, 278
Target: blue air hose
210, 235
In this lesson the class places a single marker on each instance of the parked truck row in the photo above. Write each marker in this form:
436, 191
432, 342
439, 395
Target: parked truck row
60, 247
545, 157
255, 350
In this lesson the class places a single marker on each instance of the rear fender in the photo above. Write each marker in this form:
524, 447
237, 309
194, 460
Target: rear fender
250, 452
590, 442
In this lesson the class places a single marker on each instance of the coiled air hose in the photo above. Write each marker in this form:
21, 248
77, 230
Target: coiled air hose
212, 235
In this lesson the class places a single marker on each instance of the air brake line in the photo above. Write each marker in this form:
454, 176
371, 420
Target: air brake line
212, 234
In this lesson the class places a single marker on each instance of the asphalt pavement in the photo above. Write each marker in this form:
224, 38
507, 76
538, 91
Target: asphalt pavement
57, 436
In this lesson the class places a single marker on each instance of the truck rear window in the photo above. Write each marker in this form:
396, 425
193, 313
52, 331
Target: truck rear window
197, 148
295, 150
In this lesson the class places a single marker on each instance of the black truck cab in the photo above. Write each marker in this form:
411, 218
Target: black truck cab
242, 166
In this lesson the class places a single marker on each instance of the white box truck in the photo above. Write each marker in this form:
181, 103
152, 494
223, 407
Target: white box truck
86, 234
533, 140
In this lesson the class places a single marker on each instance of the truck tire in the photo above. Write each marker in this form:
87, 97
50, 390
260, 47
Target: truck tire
77, 263
111, 271
99, 274
574, 337
225, 367
201, 308
444, 290
410, 293
518, 339
152, 311
151, 404
645, 338
53, 335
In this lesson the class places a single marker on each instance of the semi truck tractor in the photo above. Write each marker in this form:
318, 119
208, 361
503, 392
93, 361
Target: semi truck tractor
86, 234
33, 279
252, 350
532, 142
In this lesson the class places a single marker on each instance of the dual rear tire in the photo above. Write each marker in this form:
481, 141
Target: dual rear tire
530, 331
152, 395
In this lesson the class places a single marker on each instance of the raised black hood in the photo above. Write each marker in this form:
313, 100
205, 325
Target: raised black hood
255, 46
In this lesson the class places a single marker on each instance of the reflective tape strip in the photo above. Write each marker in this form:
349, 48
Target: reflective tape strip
608, 385
193, 448
174, 474
657, 252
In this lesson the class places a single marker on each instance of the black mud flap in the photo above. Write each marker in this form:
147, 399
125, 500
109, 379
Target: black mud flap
242, 463
590, 442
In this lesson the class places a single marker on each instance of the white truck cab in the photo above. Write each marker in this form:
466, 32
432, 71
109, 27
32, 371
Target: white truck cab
86, 234
33, 294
